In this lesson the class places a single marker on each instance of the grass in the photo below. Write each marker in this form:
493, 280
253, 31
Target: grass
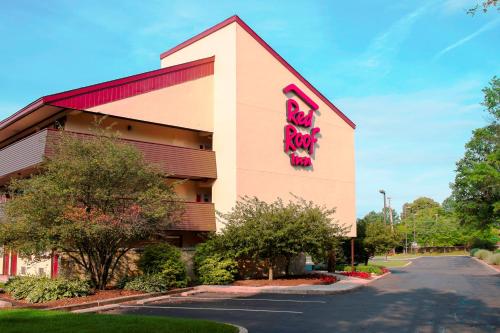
389, 263
20, 321
433, 254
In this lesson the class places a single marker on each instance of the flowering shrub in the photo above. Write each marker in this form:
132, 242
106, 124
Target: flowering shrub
328, 279
361, 275
384, 270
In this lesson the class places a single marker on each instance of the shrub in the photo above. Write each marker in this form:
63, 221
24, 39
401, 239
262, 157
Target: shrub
214, 264
363, 268
35, 289
148, 283
497, 251
154, 257
362, 275
483, 254
216, 270
162, 267
473, 251
494, 259
328, 279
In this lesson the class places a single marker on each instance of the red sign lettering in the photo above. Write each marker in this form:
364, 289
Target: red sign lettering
295, 139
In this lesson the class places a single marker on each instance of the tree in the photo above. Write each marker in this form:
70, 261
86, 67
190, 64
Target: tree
476, 188
273, 231
379, 238
93, 200
483, 6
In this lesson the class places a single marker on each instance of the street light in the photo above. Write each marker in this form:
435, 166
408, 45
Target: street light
385, 206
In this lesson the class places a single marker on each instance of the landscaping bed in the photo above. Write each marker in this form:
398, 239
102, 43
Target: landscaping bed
310, 279
97, 296
61, 322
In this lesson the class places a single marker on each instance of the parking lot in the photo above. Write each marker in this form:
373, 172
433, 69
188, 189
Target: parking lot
453, 294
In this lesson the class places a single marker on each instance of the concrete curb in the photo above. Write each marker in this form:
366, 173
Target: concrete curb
116, 300
354, 284
486, 264
240, 328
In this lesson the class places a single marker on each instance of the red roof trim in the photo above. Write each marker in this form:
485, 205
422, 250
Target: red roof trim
114, 90
105, 92
21, 113
252, 33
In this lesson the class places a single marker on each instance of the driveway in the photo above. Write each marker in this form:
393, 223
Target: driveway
439, 294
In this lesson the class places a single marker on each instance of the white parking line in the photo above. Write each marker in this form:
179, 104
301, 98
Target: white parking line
211, 309
246, 299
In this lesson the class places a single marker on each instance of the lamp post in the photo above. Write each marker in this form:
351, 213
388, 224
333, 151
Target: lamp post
385, 206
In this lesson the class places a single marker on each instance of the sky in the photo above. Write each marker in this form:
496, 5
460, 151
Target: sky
409, 73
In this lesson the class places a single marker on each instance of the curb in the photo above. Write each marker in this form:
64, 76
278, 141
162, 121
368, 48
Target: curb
486, 264
288, 291
240, 328
114, 301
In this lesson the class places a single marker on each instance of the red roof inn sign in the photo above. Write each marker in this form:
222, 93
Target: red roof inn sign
295, 139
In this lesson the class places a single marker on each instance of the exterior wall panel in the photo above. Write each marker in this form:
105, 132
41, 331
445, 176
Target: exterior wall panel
23, 154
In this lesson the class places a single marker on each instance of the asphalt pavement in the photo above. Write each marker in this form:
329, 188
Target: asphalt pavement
437, 294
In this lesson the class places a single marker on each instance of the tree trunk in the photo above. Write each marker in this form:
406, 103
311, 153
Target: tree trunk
332, 261
271, 272
287, 270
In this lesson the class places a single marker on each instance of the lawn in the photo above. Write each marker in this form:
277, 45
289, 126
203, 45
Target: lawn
428, 254
389, 263
21, 321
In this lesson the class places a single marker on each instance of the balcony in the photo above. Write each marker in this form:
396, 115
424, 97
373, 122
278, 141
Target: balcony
180, 162
198, 216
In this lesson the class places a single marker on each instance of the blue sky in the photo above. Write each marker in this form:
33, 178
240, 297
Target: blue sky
408, 73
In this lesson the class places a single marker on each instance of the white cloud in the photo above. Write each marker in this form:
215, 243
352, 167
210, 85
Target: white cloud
387, 44
408, 143
488, 26
454, 6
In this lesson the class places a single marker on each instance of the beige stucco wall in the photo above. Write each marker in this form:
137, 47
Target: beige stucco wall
187, 105
263, 168
222, 45
33, 266
82, 122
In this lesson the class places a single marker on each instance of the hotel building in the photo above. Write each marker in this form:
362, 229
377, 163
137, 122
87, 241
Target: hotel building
225, 112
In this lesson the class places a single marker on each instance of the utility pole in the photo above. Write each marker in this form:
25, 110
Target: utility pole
390, 214
385, 206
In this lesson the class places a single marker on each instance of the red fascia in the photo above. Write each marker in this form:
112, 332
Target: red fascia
81, 97
235, 18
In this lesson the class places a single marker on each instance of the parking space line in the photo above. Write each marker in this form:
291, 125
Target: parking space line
211, 309
246, 299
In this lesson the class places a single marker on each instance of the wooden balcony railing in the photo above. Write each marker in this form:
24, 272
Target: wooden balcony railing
198, 216
180, 162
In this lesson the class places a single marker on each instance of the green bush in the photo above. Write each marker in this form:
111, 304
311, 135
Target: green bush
216, 270
473, 251
494, 259
35, 289
497, 251
148, 283
214, 264
162, 267
363, 268
483, 254
154, 257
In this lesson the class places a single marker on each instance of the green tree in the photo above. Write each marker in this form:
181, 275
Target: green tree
269, 232
379, 238
93, 200
476, 188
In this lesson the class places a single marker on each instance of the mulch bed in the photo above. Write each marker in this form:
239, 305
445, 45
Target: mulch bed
288, 281
99, 295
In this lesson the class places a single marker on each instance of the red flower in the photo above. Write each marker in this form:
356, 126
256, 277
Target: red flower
328, 279
362, 275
